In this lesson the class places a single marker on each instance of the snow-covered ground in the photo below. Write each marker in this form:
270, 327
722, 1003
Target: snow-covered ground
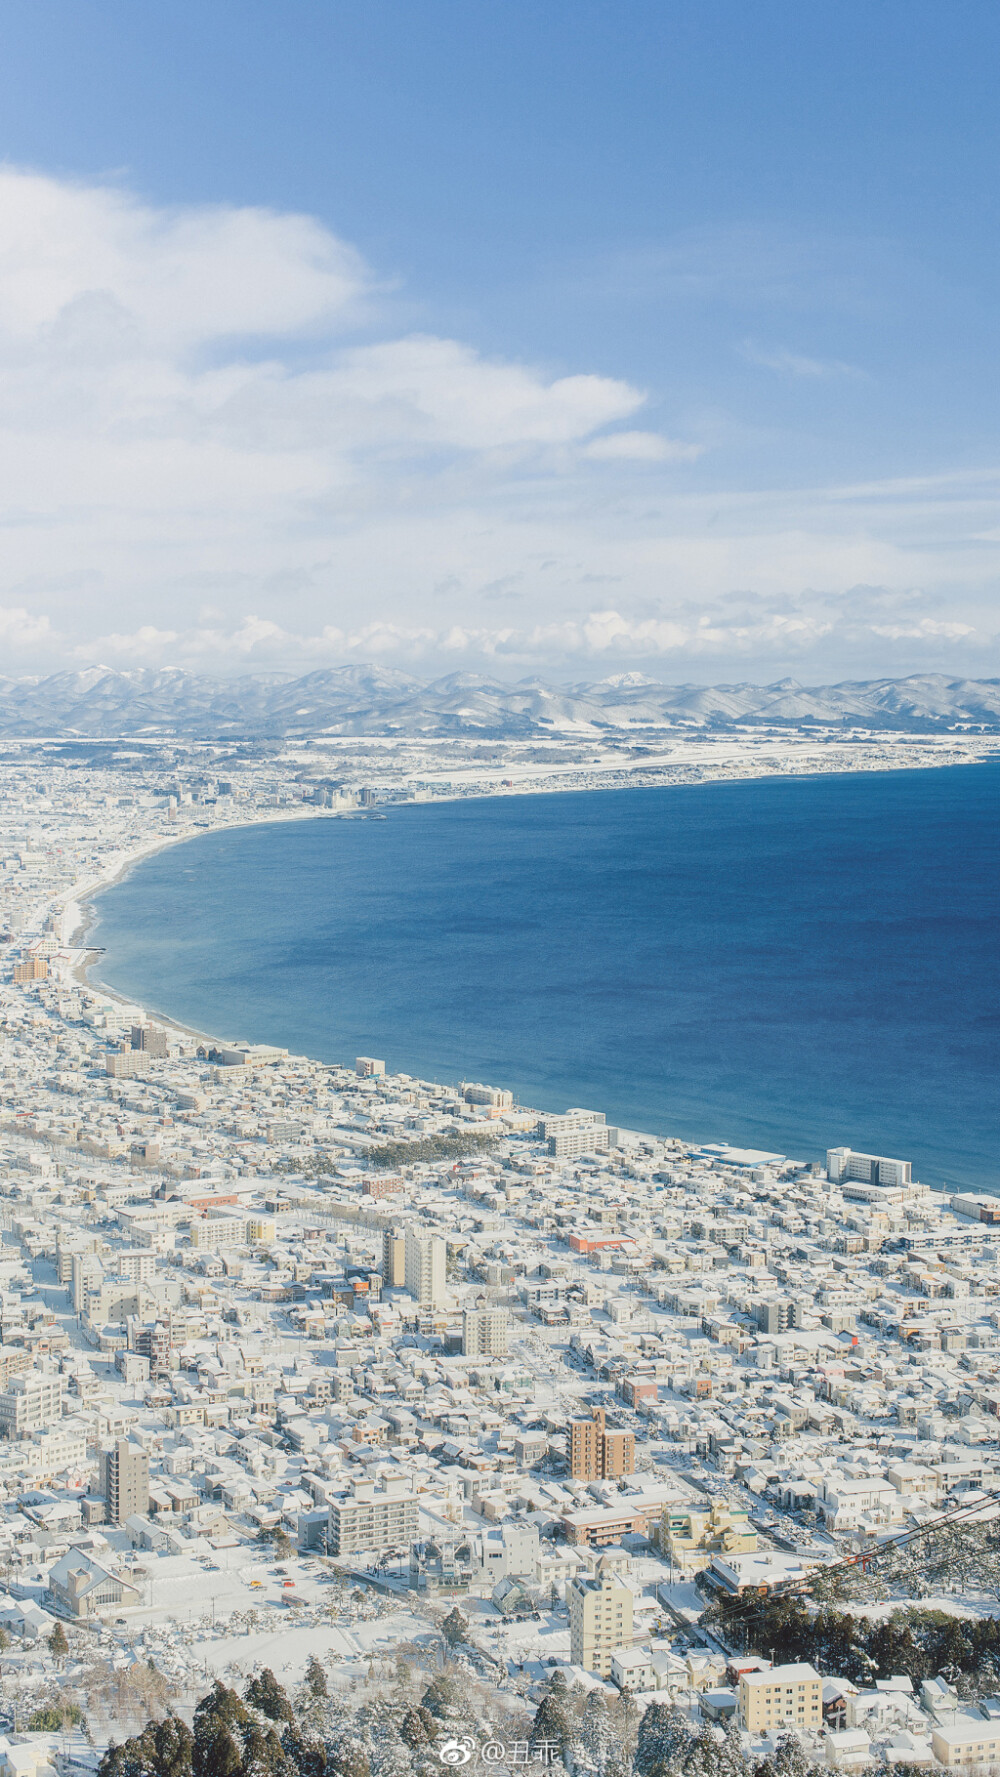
286, 1647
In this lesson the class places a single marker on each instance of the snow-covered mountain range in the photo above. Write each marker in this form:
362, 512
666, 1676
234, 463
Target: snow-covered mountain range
101, 702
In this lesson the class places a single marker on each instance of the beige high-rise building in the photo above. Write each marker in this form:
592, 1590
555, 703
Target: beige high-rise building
598, 1453
485, 1332
424, 1260
782, 1697
124, 1480
394, 1259
600, 1620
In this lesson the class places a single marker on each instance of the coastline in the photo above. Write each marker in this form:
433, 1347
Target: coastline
311, 1041
83, 896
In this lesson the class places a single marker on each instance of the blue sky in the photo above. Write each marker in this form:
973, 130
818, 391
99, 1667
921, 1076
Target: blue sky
500, 336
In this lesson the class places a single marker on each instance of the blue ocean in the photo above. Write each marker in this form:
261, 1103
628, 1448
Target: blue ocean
787, 963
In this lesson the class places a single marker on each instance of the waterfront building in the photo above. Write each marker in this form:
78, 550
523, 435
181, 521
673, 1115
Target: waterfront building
867, 1169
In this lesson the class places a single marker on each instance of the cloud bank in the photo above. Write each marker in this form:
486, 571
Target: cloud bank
216, 448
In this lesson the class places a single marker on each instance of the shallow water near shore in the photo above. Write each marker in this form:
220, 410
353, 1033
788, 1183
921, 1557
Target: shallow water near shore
782, 963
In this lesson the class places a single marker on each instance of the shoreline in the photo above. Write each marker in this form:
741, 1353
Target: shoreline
88, 961
84, 898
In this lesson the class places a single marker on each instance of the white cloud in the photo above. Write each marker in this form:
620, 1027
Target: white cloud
20, 629
641, 447
444, 393
738, 627
192, 422
791, 363
168, 277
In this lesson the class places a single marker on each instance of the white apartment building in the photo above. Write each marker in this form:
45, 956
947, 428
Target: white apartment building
485, 1332
600, 1620
372, 1518
424, 1268
495, 1097
843, 1500
577, 1132
868, 1169
30, 1403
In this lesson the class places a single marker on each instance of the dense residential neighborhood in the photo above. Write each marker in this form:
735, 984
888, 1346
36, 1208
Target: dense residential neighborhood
378, 1385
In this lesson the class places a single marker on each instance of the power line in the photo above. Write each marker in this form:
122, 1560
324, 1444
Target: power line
866, 1560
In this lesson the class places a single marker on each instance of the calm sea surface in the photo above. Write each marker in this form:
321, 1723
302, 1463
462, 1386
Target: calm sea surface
782, 963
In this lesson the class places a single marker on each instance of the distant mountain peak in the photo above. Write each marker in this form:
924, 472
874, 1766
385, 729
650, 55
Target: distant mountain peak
620, 680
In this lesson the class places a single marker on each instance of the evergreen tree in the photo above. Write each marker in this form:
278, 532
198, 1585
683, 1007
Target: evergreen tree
264, 1692
549, 1730
316, 1678
379, 1725
418, 1727
128, 1760
163, 1749
348, 1759
219, 1722
455, 1629
173, 1747
444, 1697
596, 1736
58, 1644
306, 1754
664, 1740
263, 1754
789, 1757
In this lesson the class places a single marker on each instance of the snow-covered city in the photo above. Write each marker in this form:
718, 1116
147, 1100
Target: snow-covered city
484, 1432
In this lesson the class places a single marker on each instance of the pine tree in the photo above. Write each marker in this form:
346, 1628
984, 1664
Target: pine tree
219, 1723
307, 1755
316, 1678
173, 1744
665, 1739
596, 1737
789, 1757
348, 1759
418, 1727
455, 1628
443, 1697
263, 1754
128, 1760
549, 1730
217, 1754
59, 1644
379, 1724
264, 1692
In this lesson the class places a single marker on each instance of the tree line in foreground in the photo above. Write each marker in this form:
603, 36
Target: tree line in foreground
397, 1731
